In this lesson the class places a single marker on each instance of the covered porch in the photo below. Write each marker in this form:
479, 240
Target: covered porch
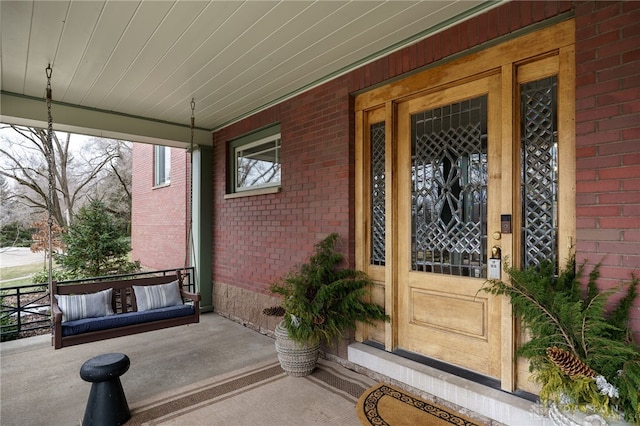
41, 386
244, 240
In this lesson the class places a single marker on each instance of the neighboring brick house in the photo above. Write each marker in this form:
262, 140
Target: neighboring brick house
159, 227
585, 53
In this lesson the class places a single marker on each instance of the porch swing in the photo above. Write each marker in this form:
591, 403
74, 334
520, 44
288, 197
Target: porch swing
89, 312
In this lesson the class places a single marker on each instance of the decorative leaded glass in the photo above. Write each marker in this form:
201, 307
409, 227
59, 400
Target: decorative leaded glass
539, 171
449, 189
377, 194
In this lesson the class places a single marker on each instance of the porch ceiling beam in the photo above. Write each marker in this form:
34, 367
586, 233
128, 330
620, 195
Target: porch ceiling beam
29, 111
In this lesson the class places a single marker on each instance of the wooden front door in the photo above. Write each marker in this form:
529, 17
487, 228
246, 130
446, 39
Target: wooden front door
449, 202
456, 165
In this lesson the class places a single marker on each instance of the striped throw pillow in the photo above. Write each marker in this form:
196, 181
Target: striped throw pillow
157, 296
79, 306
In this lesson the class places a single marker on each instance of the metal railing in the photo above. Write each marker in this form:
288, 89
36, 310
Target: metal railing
27, 309
24, 309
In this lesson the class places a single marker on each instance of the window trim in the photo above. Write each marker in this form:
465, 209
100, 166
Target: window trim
166, 169
264, 135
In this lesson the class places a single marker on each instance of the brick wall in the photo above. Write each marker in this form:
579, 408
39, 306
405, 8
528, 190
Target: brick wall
257, 239
608, 140
496, 22
158, 225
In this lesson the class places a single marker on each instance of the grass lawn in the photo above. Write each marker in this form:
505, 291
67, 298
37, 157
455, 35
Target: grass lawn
12, 272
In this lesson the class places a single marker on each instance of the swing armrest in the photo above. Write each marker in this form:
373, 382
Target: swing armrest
195, 297
195, 300
56, 313
56, 326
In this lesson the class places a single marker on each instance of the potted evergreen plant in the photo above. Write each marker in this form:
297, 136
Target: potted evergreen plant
321, 299
581, 353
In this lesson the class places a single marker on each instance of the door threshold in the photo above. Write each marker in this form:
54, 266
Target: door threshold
485, 400
448, 368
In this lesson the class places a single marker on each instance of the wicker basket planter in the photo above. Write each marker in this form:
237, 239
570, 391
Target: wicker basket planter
296, 359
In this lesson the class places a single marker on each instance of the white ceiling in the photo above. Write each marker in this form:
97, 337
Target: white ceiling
148, 59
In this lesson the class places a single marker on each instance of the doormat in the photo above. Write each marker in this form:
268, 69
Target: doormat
385, 405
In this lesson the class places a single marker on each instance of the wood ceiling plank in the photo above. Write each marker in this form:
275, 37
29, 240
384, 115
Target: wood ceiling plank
301, 45
182, 16
305, 66
382, 31
385, 28
14, 43
108, 31
149, 58
183, 52
227, 43
266, 58
80, 24
141, 28
46, 26
266, 35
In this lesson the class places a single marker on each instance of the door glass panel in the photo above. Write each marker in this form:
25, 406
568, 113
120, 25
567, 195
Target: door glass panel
449, 189
377, 137
539, 171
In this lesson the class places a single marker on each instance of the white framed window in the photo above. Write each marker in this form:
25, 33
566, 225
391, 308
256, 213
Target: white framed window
161, 165
255, 161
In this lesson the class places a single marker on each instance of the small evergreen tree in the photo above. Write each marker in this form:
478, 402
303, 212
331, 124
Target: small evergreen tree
15, 234
94, 245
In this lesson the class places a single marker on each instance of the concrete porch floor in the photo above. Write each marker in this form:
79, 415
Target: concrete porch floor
42, 386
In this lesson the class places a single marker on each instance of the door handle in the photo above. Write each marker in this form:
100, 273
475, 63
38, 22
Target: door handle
496, 252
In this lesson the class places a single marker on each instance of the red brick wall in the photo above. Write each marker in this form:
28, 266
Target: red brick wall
608, 140
158, 225
496, 22
257, 239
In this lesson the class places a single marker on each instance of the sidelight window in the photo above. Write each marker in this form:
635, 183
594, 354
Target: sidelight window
378, 192
539, 183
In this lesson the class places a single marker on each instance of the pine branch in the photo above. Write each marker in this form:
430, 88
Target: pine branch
520, 290
558, 315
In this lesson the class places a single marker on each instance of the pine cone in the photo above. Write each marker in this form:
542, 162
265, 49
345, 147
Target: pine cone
274, 311
570, 364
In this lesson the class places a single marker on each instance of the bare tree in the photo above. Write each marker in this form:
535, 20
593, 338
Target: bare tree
24, 160
7, 202
113, 187
256, 172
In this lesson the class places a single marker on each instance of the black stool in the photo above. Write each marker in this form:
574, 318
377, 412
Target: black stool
107, 405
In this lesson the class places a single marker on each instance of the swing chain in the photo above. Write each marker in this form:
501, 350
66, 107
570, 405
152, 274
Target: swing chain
50, 161
193, 120
50, 156
189, 203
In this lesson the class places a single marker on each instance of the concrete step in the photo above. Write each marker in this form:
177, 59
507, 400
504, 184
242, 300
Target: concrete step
502, 407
